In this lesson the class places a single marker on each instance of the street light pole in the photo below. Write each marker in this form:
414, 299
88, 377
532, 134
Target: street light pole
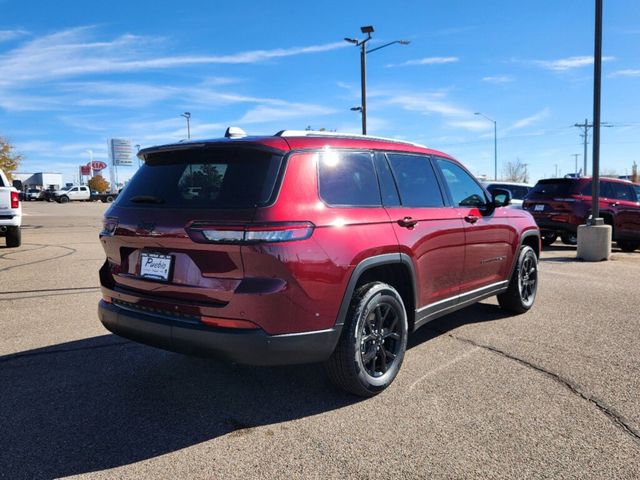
363, 83
597, 76
187, 115
368, 29
495, 144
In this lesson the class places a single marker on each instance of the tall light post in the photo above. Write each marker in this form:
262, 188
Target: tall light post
90, 152
495, 144
187, 115
368, 29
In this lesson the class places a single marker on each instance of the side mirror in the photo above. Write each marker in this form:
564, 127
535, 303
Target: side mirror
501, 197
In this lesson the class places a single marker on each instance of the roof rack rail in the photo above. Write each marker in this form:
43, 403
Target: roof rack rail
324, 133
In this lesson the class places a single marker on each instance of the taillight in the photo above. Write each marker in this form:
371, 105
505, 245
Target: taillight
260, 233
109, 225
15, 200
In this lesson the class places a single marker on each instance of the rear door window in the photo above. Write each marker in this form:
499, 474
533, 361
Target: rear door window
347, 179
623, 191
213, 178
416, 179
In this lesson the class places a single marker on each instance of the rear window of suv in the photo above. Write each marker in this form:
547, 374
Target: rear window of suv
214, 178
552, 188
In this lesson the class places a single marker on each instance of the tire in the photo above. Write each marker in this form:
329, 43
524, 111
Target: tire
628, 245
374, 331
548, 238
569, 238
63, 199
523, 285
109, 199
13, 237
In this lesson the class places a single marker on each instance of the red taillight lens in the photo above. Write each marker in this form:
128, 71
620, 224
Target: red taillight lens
272, 232
109, 226
15, 200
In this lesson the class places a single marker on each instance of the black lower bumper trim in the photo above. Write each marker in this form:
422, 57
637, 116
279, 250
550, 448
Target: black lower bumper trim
251, 347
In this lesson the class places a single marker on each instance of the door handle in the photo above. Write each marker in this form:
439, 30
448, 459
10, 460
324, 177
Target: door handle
407, 222
471, 218
614, 204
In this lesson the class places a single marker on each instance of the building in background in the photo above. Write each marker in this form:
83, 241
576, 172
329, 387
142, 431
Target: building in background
40, 180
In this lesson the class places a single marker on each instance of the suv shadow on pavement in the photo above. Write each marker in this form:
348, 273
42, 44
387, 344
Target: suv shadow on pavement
104, 402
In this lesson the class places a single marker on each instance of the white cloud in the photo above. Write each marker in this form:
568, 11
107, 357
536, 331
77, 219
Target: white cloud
278, 111
498, 79
630, 72
74, 52
473, 125
429, 103
569, 63
426, 61
7, 35
525, 122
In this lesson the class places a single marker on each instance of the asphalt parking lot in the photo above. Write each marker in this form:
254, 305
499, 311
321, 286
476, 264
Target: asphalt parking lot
549, 394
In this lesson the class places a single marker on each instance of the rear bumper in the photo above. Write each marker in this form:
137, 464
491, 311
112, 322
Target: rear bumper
252, 347
9, 221
545, 224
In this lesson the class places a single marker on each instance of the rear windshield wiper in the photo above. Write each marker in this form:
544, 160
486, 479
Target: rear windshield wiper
146, 199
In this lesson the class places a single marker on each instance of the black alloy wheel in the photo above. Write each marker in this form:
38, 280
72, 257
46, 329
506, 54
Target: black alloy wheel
528, 278
371, 348
379, 338
548, 238
523, 286
628, 245
569, 238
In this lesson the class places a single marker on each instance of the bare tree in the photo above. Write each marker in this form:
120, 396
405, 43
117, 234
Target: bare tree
515, 171
635, 177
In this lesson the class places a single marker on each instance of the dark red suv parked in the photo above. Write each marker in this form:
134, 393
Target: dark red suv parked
303, 247
559, 205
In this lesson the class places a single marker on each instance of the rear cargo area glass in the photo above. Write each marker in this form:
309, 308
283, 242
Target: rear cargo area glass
204, 178
552, 188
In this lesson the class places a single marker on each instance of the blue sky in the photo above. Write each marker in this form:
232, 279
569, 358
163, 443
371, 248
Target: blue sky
73, 74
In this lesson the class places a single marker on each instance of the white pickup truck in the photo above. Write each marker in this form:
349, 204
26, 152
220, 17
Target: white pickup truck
10, 212
73, 192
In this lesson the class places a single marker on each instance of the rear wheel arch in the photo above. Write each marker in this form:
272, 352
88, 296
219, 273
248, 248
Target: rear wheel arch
395, 269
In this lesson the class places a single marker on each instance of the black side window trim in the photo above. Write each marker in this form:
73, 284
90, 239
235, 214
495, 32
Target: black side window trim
382, 156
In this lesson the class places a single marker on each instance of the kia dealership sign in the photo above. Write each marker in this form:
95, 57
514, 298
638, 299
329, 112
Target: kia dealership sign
98, 165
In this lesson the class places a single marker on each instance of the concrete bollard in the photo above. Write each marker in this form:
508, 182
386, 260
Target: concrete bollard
594, 242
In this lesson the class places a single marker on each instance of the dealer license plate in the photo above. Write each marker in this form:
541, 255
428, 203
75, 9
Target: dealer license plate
538, 208
155, 266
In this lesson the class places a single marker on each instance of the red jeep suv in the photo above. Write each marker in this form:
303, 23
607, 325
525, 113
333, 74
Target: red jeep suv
560, 205
307, 247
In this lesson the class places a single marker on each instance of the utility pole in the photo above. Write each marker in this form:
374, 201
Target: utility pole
585, 126
575, 157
